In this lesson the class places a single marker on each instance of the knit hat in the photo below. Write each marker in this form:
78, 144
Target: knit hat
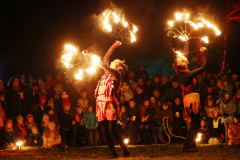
66, 103
29, 116
45, 116
19, 116
42, 97
175, 79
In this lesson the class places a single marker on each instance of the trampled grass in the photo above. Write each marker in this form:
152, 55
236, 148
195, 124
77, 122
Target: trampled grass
165, 152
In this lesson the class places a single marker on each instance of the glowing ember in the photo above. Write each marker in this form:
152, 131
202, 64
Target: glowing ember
170, 23
198, 137
126, 141
205, 39
79, 74
212, 26
178, 16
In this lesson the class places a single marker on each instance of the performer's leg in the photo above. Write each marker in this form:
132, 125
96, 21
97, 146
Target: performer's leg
113, 131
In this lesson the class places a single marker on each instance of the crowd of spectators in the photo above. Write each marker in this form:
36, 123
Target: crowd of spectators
57, 112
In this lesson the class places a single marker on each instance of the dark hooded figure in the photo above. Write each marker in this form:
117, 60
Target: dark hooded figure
17, 98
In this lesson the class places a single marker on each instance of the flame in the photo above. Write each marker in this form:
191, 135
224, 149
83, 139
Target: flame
134, 29
198, 137
133, 37
67, 57
205, 39
116, 17
125, 24
184, 38
179, 54
95, 61
79, 74
106, 24
19, 143
178, 16
212, 26
187, 16
126, 141
170, 23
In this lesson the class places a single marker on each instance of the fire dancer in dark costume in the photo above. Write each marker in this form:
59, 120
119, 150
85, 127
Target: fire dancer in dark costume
191, 98
107, 93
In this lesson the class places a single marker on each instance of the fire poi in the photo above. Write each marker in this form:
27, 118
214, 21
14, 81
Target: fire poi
183, 28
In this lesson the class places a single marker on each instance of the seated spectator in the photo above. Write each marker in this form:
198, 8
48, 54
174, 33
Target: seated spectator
126, 93
204, 131
45, 121
139, 96
29, 123
67, 122
173, 91
19, 129
216, 128
166, 116
91, 123
81, 129
133, 117
144, 125
7, 136
51, 137
234, 131
141, 72
178, 121
227, 110
83, 102
35, 138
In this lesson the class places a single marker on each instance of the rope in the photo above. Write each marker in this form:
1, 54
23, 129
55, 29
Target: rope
170, 133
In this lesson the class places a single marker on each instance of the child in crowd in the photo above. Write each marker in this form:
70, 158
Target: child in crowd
19, 130
216, 128
53, 117
35, 138
51, 103
144, 125
42, 104
29, 123
234, 131
51, 137
45, 121
91, 123
67, 122
133, 117
81, 129
7, 136
83, 102
166, 116
204, 131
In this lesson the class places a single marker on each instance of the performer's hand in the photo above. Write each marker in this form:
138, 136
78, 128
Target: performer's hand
117, 44
87, 52
202, 49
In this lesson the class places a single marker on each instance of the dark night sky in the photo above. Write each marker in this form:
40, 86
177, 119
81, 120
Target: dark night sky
33, 33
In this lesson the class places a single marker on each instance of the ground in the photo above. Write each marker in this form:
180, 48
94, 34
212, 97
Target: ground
165, 152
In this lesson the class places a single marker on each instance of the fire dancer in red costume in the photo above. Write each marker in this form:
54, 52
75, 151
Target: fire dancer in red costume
107, 93
191, 98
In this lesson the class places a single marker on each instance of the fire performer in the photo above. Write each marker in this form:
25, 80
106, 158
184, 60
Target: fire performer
191, 98
107, 93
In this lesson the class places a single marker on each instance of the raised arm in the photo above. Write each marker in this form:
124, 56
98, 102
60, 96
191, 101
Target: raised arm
109, 52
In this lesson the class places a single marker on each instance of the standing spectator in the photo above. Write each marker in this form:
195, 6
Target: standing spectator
17, 98
42, 88
144, 125
35, 138
165, 85
131, 80
81, 129
7, 137
3, 101
216, 128
178, 121
227, 110
51, 137
91, 123
166, 116
71, 91
139, 97
67, 122
173, 91
125, 93
236, 87
33, 94
83, 102
19, 129
156, 82
234, 131
141, 72
140, 82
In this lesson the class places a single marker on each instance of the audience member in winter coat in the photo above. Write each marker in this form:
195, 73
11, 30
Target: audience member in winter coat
126, 93
81, 129
217, 129
91, 123
67, 121
51, 137
35, 138
234, 131
19, 129
227, 110
83, 102
166, 117
7, 136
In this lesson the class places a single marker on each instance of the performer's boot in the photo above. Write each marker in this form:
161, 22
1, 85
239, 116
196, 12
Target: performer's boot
162, 140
